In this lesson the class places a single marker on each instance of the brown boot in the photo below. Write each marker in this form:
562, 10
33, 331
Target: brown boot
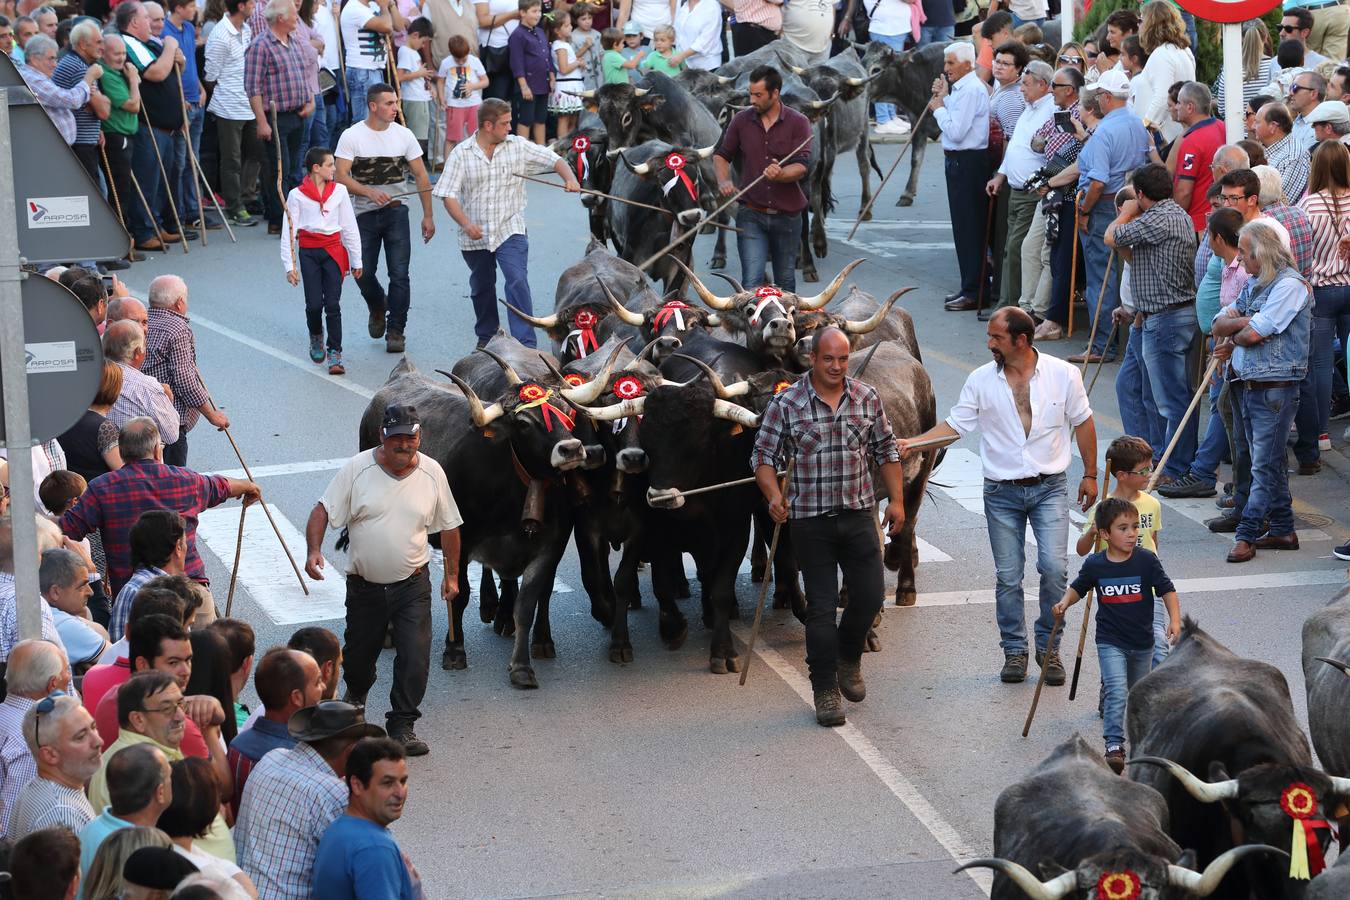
851, 681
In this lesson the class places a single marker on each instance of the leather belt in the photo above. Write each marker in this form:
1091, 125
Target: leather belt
1167, 309
420, 570
1032, 481
1263, 385
767, 211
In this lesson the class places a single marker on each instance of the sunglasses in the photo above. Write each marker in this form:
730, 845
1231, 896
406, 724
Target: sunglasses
1092, 54
1071, 59
1057, 84
1288, 29
44, 707
1299, 87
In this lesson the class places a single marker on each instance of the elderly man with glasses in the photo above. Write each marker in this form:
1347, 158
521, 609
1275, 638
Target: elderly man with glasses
36, 669
65, 744
59, 102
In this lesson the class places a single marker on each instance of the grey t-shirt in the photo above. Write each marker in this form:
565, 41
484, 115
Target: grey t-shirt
379, 158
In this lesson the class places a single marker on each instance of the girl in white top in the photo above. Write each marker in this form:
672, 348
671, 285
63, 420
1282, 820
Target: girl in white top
698, 28
1162, 34
462, 80
646, 13
323, 221
565, 101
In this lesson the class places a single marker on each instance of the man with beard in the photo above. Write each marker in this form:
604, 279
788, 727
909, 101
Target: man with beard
65, 744
1024, 404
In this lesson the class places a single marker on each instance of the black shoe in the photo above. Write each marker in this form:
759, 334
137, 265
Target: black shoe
375, 324
1188, 485
950, 297
412, 744
1224, 524
1014, 668
960, 304
829, 708
1310, 468
1054, 669
984, 315
116, 265
1342, 552
851, 681
274, 229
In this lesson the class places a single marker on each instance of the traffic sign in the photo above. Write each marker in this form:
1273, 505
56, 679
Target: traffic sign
63, 357
1228, 11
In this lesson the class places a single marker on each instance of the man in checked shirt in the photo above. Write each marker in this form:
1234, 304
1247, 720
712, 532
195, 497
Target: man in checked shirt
831, 425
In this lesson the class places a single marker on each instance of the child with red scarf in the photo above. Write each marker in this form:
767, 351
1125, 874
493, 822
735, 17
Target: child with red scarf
323, 221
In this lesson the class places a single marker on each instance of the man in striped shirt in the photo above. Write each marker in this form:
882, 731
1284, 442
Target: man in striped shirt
64, 742
235, 129
86, 46
35, 669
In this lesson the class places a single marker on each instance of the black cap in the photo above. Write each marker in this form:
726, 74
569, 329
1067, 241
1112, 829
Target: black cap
330, 718
156, 868
400, 419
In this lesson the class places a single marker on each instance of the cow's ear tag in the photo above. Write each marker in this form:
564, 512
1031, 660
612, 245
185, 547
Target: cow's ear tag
487, 432
736, 429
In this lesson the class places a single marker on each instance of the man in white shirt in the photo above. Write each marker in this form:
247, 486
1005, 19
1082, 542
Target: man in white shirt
1020, 162
1025, 404
366, 28
808, 25
235, 124
485, 198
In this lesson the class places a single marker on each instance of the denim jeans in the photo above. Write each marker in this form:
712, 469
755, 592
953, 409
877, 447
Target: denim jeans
1230, 408
358, 82
187, 186
1209, 454
824, 545
1008, 508
371, 610
1266, 416
387, 227
322, 280
766, 238
1018, 21
1095, 260
145, 170
1134, 395
1167, 340
1121, 668
886, 111
315, 134
290, 127
1161, 646
1331, 320
513, 256
935, 33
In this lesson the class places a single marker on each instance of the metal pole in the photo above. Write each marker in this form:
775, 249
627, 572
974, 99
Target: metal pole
1066, 21
18, 436
1233, 110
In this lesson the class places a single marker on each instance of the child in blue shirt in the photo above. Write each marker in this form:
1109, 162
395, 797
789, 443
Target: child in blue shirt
1126, 577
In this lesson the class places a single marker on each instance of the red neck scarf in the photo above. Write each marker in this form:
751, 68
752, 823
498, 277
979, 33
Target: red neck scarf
330, 243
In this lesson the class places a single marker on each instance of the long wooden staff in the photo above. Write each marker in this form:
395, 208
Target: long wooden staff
154, 222
985, 253
764, 586
285, 210
554, 184
1101, 295
1073, 266
392, 60
112, 189
234, 571
1190, 411
913, 136
1103, 480
192, 157
173, 207
1040, 682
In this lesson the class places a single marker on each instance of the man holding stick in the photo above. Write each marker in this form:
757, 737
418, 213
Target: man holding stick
832, 426
1025, 404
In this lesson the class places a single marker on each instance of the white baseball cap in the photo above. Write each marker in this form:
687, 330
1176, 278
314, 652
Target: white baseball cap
1112, 81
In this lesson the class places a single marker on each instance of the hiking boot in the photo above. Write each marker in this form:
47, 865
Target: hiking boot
375, 325
1014, 668
1188, 485
316, 348
1224, 524
1115, 758
393, 341
829, 708
851, 681
412, 744
335, 366
1054, 669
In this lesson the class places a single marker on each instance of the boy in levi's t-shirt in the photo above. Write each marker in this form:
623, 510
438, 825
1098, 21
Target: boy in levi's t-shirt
1126, 578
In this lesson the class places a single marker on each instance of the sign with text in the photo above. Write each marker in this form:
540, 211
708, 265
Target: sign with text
57, 212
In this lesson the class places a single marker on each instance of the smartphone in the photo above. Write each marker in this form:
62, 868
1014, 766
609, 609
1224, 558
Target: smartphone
109, 280
1063, 119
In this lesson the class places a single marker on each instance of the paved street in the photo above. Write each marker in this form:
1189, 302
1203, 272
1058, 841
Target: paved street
657, 778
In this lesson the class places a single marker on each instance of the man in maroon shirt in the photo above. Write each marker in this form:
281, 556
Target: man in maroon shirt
772, 140
1204, 136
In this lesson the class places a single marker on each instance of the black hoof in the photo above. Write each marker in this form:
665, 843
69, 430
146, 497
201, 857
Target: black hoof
718, 666
873, 642
905, 201
674, 634
523, 678
621, 653
718, 262
487, 610
867, 216
454, 658
505, 628
635, 602
810, 276
544, 650
906, 598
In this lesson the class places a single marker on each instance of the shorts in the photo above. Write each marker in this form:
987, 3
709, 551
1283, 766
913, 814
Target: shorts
530, 112
460, 122
417, 116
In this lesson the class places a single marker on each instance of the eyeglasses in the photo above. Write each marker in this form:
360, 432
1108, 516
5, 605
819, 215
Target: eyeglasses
1288, 29
1232, 198
167, 709
44, 707
1142, 472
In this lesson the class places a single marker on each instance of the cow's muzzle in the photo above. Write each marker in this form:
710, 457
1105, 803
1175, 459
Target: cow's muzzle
664, 498
594, 456
631, 460
567, 455
689, 217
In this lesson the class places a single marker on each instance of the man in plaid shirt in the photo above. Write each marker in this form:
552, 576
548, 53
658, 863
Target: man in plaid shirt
275, 66
171, 358
833, 428
113, 502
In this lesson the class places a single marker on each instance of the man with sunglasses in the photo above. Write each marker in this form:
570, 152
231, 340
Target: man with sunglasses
65, 744
1300, 21
36, 670
1308, 90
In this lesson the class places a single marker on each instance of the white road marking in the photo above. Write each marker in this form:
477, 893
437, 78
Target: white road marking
475, 577
961, 477
930, 554
895, 781
295, 468
294, 362
263, 570
891, 224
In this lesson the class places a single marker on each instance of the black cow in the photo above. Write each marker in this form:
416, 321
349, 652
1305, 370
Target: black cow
1326, 665
863, 319
1092, 835
658, 174
1207, 710
585, 150
906, 79
1334, 883
663, 327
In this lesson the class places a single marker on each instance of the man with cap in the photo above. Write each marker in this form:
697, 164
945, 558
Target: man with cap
1330, 121
390, 499
294, 795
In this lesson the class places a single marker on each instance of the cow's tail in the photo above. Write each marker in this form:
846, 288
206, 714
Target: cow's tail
344, 539
872, 158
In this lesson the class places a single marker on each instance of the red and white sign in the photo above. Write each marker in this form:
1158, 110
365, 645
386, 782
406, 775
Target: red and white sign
1228, 11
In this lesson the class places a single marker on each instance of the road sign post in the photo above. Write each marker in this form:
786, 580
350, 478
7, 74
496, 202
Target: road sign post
1231, 14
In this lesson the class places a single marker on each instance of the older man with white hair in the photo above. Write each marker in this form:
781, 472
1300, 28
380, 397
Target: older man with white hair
124, 344
171, 358
274, 80
36, 669
1330, 121
59, 102
9, 603
127, 309
960, 105
66, 745
85, 49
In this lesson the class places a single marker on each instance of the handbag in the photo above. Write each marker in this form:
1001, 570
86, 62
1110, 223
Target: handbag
496, 60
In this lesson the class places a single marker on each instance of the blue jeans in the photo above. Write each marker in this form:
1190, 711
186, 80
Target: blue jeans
513, 256
1167, 340
387, 226
1331, 320
1189, 19
1266, 416
1018, 21
766, 238
1121, 668
1095, 257
1007, 510
145, 169
936, 33
314, 134
358, 82
187, 188
1134, 396
1205, 466
290, 127
1161, 646
886, 111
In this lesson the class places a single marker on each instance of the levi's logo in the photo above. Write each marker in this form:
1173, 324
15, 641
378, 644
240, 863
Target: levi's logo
1120, 590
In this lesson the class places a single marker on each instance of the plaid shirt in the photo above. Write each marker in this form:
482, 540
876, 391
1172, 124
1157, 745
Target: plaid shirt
1060, 143
60, 103
144, 396
1162, 272
488, 189
9, 619
831, 447
113, 503
1295, 221
171, 358
276, 72
1293, 164
48, 804
17, 766
121, 610
291, 798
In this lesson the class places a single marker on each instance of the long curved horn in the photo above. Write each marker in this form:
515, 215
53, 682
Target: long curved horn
725, 409
859, 82
739, 389
1341, 786
482, 416
871, 322
629, 317
591, 390
1204, 791
548, 364
740, 288
641, 92
1206, 883
726, 79
708, 297
550, 321
795, 70
822, 104
512, 377
1056, 888
827, 295
610, 154
1336, 663
615, 411
633, 364
705, 152
586, 95
639, 169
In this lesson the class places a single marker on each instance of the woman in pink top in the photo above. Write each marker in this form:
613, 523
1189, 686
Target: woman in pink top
1327, 205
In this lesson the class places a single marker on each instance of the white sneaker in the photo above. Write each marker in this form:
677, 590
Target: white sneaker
1048, 330
897, 126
